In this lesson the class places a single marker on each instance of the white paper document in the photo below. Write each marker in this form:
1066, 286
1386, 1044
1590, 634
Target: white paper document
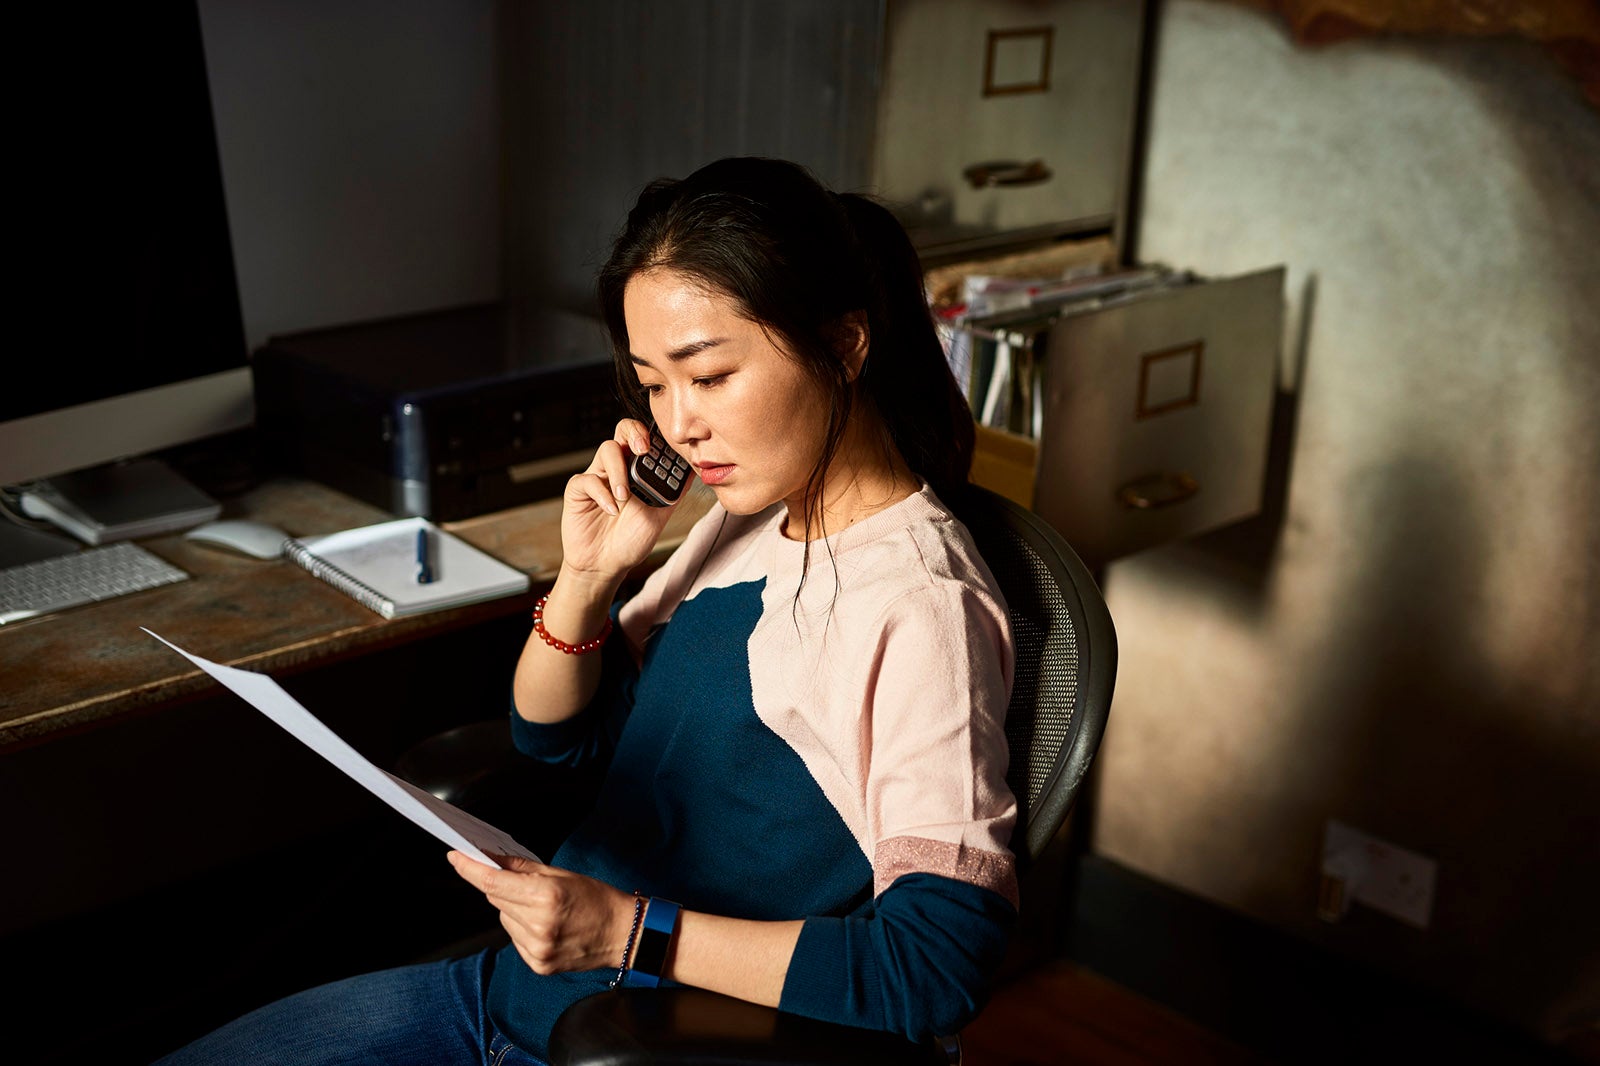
447, 822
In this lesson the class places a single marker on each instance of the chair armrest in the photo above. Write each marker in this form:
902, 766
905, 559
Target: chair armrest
693, 1027
477, 768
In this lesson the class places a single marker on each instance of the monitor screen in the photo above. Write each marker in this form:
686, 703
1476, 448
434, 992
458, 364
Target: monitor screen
130, 264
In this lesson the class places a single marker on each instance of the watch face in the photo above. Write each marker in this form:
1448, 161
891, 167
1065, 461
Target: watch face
655, 940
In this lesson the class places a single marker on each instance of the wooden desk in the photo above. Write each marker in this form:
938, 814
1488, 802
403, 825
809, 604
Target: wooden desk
160, 827
80, 668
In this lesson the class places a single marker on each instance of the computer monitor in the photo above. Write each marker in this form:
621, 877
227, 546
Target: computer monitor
130, 339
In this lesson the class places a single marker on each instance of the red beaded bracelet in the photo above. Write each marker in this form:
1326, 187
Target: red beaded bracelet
561, 645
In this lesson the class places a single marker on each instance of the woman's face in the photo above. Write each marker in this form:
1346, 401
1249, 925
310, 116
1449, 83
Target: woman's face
737, 407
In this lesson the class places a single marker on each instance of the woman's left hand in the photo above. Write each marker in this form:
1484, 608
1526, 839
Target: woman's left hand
557, 919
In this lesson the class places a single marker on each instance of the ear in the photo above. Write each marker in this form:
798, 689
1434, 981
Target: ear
851, 341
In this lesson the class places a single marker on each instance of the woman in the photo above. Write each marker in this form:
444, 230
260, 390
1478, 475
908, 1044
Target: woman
802, 710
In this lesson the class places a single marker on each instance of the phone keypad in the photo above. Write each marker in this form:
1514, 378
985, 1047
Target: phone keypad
664, 471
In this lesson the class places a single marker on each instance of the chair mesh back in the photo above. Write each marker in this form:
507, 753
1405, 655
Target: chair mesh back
1047, 686
1044, 690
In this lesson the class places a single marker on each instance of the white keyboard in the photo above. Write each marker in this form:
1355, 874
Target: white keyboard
98, 573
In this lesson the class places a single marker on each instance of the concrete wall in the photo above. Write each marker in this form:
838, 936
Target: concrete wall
384, 158
1408, 640
603, 96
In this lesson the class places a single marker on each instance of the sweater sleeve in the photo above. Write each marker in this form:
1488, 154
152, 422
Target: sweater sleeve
916, 961
939, 816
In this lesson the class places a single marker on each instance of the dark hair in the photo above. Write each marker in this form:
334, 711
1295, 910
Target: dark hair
797, 258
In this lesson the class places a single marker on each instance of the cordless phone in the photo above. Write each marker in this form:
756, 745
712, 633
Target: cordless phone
661, 476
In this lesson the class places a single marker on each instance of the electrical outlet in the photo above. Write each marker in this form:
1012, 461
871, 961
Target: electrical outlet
1358, 868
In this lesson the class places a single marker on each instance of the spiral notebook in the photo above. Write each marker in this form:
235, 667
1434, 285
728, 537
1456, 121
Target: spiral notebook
381, 566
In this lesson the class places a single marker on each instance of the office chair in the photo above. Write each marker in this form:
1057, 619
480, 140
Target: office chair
1066, 661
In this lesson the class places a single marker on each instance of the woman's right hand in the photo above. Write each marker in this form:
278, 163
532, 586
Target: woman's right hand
605, 530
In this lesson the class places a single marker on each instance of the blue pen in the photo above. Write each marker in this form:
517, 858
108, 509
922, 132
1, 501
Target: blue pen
424, 568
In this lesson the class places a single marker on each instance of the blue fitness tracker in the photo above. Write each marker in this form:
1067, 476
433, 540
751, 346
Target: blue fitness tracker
655, 940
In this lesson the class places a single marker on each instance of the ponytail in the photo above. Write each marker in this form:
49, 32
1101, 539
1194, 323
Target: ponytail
907, 377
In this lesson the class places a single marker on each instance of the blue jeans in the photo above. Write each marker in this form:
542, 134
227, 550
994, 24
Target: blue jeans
431, 1014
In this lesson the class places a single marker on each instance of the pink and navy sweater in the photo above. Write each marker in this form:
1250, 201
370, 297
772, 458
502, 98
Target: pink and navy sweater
838, 757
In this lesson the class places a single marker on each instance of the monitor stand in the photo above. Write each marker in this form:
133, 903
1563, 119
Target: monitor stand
120, 501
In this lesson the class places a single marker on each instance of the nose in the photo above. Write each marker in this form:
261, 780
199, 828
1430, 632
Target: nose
678, 416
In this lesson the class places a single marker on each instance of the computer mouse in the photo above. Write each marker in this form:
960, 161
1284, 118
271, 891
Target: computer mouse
243, 535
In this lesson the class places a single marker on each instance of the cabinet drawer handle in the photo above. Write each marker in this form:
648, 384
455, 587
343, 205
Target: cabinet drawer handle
1007, 172
1157, 490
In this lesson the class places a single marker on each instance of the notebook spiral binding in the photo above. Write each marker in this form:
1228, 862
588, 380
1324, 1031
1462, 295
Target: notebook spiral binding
356, 589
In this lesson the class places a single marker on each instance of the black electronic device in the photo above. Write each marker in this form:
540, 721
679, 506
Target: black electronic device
446, 414
129, 264
660, 476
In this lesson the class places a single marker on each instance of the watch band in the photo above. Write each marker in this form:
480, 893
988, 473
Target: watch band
655, 940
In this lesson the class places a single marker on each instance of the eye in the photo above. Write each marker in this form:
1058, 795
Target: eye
710, 381
650, 391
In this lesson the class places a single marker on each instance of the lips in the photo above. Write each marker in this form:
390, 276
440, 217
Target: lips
713, 473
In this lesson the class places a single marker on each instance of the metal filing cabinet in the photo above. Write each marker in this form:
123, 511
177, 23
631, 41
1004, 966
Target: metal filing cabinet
1157, 411
1144, 412
1003, 119
1132, 414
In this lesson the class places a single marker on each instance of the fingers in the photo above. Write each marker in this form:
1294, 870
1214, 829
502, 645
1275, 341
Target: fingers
605, 483
471, 870
631, 438
558, 920
597, 487
612, 459
524, 883
633, 435
516, 862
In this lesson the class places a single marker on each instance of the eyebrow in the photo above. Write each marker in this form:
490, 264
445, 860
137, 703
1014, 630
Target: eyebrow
678, 355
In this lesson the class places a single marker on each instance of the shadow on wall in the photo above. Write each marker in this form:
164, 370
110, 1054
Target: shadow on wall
1419, 724
1423, 663
1543, 807
1419, 740
1424, 745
